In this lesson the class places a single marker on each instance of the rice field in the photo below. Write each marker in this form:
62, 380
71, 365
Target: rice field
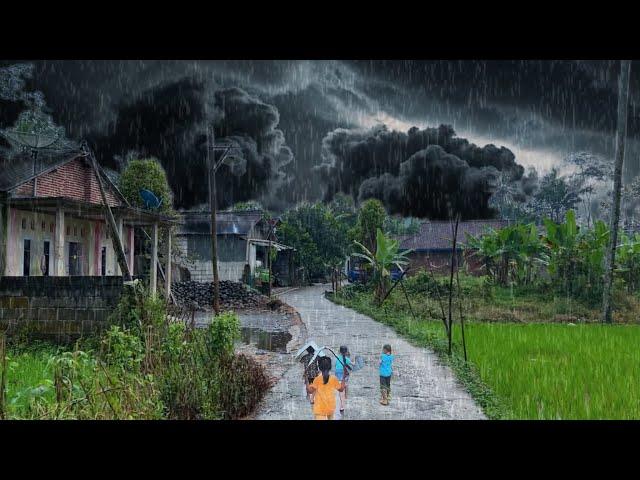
551, 371
537, 371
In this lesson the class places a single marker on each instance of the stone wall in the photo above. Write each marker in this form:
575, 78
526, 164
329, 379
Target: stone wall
57, 307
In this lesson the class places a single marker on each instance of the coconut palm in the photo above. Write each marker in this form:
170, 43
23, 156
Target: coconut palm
387, 256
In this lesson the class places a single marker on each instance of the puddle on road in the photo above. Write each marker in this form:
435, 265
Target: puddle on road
264, 340
263, 330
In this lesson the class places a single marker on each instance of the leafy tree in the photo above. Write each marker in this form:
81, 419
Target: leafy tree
387, 255
556, 196
628, 260
371, 217
576, 258
319, 237
513, 254
146, 174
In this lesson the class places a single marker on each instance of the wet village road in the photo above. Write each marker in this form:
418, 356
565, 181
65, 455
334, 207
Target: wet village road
422, 388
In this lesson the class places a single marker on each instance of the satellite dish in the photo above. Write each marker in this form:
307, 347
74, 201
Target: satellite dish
150, 200
31, 140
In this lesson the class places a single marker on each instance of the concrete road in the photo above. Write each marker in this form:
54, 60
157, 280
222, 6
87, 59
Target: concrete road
421, 387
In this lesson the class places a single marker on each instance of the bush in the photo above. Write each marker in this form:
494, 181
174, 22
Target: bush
138, 309
222, 334
122, 349
424, 283
243, 384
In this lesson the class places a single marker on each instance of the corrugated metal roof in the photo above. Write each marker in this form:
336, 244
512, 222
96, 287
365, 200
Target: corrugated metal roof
227, 223
438, 235
20, 168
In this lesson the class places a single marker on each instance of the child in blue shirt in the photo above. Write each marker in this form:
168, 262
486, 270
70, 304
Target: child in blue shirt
386, 370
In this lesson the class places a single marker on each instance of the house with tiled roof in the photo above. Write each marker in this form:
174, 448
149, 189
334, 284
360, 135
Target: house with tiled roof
52, 217
431, 245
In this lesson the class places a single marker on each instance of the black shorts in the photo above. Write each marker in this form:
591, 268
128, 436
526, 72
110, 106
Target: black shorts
385, 382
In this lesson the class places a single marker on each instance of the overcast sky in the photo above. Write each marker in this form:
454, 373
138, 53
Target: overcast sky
540, 110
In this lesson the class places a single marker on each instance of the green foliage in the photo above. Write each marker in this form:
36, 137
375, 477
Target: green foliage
122, 349
512, 255
147, 174
371, 217
628, 260
319, 237
387, 255
222, 332
556, 196
401, 226
576, 261
157, 370
424, 283
137, 309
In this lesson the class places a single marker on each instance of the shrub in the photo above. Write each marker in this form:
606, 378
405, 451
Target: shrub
244, 383
138, 309
424, 283
222, 332
122, 349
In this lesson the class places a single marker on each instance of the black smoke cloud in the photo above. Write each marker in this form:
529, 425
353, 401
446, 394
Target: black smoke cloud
170, 122
428, 173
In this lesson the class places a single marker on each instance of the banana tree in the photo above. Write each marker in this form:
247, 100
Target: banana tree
387, 256
628, 260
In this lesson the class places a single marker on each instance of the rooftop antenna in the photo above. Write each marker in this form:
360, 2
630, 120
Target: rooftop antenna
32, 132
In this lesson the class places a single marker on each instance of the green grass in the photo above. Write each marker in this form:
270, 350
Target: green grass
526, 370
552, 371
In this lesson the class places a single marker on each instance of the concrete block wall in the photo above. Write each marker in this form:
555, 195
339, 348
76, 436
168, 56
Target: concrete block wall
57, 307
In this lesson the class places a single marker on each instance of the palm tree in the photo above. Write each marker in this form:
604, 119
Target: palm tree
387, 256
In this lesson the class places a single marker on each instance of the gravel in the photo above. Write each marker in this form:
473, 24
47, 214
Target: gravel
233, 295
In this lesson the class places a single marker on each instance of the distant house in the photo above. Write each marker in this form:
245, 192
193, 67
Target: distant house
431, 246
243, 240
52, 218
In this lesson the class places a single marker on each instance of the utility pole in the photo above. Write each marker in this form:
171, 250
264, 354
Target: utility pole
273, 223
621, 134
212, 167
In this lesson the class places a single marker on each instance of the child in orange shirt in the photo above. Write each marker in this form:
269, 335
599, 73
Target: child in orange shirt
324, 388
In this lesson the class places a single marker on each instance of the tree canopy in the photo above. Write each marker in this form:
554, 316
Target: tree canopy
146, 174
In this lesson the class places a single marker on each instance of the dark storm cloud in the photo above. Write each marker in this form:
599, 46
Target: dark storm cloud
423, 173
549, 108
170, 122
162, 111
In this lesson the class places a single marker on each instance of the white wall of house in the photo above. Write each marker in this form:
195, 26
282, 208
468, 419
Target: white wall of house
40, 228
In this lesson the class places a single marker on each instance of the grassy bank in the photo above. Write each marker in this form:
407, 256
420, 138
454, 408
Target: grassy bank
533, 367
145, 366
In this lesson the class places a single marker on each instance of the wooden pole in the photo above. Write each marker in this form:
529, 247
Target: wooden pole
214, 232
117, 241
453, 264
154, 259
167, 280
621, 134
